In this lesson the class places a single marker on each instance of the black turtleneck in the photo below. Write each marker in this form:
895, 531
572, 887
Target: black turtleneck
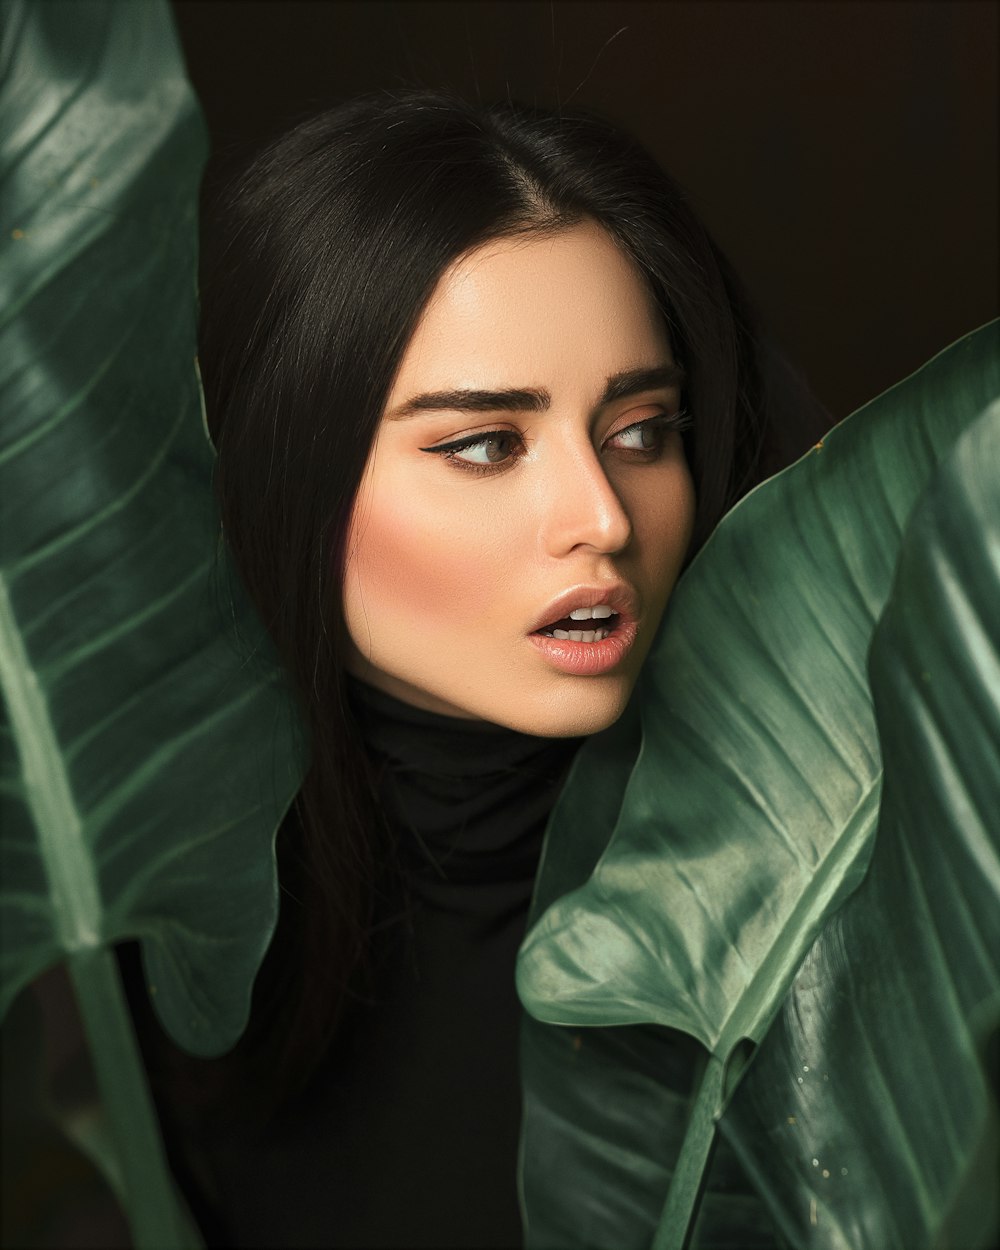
468, 800
408, 1135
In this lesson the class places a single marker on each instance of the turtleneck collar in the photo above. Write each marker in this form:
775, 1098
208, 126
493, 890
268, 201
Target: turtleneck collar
469, 800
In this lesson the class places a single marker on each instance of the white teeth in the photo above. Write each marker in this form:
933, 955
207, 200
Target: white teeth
600, 613
581, 635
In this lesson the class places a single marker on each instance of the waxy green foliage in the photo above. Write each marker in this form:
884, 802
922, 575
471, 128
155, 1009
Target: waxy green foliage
147, 761
146, 757
888, 1129
745, 814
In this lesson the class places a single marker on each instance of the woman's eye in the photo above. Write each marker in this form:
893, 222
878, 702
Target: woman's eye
650, 435
498, 449
481, 451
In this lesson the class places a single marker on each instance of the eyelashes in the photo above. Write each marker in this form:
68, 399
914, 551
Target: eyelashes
496, 450
652, 432
491, 450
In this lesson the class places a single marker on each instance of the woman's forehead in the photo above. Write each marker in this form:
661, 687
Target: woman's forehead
516, 311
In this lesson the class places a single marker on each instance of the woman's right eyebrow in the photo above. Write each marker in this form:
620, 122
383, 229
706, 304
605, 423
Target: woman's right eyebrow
531, 399
513, 400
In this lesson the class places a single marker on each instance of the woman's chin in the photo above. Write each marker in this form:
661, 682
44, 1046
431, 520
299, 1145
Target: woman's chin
545, 704
593, 705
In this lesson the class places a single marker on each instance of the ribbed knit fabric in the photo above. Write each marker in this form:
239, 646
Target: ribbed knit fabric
408, 1135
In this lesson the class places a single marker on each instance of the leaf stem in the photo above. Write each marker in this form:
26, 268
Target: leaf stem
684, 1193
150, 1204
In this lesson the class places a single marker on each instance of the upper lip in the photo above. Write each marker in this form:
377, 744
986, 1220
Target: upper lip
620, 598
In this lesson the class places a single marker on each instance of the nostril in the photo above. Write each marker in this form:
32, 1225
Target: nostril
584, 510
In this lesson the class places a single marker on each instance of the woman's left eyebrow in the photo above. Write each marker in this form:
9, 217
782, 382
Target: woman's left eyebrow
534, 399
633, 381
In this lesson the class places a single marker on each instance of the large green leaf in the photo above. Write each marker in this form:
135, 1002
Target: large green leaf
748, 816
872, 1079
141, 790
146, 759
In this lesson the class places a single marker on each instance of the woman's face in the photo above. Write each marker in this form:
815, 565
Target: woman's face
528, 468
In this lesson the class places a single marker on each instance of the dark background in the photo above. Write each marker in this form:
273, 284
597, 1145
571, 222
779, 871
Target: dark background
843, 153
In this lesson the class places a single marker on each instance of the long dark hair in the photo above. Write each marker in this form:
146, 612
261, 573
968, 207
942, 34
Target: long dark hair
335, 237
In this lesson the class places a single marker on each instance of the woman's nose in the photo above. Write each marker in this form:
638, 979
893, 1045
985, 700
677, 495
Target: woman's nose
582, 508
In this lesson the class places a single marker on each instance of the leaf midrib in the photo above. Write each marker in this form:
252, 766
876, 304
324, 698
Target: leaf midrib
66, 859
757, 1003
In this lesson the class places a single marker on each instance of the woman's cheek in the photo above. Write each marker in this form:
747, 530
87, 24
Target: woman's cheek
417, 564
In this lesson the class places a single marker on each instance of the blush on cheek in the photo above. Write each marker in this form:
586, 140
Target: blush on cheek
412, 581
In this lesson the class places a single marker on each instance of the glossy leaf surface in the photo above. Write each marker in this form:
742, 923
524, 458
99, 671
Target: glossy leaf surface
872, 1079
748, 817
146, 761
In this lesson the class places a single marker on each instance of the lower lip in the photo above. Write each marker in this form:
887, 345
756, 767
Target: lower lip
587, 659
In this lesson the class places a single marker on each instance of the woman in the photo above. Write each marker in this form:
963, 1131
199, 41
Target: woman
480, 384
